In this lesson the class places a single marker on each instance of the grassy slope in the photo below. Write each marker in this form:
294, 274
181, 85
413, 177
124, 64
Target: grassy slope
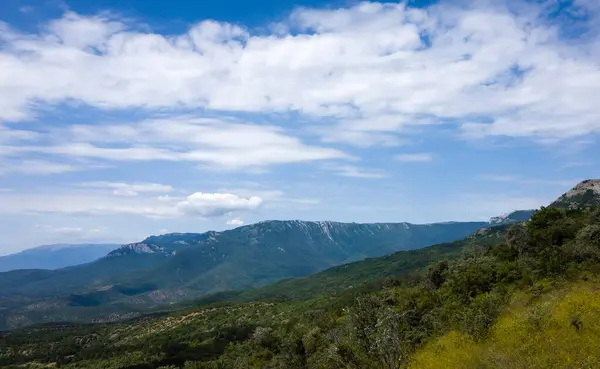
558, 328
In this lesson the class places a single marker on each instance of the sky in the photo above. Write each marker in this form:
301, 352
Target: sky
124, 119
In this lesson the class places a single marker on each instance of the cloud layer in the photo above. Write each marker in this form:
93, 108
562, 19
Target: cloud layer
91, 202
374, 67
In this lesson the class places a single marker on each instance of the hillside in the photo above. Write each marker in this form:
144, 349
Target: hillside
55, 256
558, 328
525, 298
176, 267
586, 193
513, 217
369, 272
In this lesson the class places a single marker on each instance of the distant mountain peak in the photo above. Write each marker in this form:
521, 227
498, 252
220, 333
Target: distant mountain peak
167, 244
55, 256
584, 186
585, 193
136, 248
512, 217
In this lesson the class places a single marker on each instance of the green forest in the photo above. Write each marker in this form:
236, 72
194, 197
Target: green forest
517, 296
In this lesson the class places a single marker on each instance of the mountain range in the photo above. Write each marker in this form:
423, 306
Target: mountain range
174, 268
55, 256
472, 302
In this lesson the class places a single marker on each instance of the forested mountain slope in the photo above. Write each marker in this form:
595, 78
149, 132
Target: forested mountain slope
177, 267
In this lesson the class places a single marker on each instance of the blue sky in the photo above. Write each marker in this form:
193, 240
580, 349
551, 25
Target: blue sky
121, 119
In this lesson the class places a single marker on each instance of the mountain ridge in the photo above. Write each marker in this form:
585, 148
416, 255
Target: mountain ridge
55, 256
156, 243
187, 265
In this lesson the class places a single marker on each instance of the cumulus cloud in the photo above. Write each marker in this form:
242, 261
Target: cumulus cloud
94, 202
216, 204
502, 71
235, 222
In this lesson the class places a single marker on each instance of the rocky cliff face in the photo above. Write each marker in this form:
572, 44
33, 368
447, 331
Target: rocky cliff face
137, 248
346, 237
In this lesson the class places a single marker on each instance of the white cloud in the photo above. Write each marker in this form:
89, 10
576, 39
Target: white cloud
77, 231
575, 164
223, 143
355, 172
36, 167
498, 178
10, 135
167, 198
414, 158
520, 180
26, 9
216, 204
130, 189
83, 33
46, 233
95, 202
235, 222
273, 198
504, 72
484, 206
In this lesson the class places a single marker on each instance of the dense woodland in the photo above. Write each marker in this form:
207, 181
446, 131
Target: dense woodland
518, 296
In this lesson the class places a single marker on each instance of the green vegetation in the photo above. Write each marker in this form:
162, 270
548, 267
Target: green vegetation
518, 296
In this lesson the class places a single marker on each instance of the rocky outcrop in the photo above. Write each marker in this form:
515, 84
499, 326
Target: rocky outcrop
584, 194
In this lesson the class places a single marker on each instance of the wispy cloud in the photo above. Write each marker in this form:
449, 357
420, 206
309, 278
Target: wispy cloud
354, 172
39, 167
225, 143
78, 232
26, 9
91, 203
415, 158
366, 64
129, 189
519, 180
576, 164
